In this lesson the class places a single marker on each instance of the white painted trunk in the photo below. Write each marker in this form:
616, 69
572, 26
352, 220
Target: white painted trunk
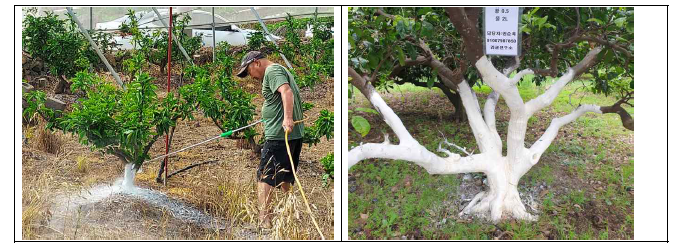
501, 200
129, 176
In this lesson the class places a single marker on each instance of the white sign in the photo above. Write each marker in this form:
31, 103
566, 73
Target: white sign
501, 31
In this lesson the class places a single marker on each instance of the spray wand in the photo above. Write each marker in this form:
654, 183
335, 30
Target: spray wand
223, 135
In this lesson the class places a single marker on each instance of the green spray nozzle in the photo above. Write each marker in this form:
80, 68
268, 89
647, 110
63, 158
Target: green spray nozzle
226, 134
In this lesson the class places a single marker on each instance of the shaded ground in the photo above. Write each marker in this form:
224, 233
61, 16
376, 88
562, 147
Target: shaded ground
224, 190
582, 188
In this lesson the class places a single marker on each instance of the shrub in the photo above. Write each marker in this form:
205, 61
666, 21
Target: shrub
328, 165
154, 45
124, 123
323, 127
57, 42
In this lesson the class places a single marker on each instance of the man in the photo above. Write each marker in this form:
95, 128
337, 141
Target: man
281, 107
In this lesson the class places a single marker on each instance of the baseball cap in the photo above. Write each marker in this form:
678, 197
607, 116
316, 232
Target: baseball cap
247, 59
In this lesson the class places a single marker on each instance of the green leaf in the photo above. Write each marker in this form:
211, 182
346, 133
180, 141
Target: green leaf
550, 26
430, 82
427, 28
541, 21
367, 110
361, 125
600, 22
526, 29
400, 54
620, 21
423, 11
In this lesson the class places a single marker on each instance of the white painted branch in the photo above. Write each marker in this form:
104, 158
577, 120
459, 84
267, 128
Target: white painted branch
544, 141
409, 149
490, 105
489, 118
518, 116
441, 149
499, 83
419, 155
514, 80
549, 96
484, 138
391, 119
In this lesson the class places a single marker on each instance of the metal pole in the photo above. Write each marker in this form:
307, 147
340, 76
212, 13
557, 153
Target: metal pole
91, 22
183, 51
169, 50
96, 48
269, 35
214, 38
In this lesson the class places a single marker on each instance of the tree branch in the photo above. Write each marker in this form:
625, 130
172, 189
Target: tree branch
408, 149
483, 135
549, 95
408, 63
627, 120
388, 115
465, 21
549, 135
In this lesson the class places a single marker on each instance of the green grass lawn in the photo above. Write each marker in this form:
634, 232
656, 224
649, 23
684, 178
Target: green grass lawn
583, 185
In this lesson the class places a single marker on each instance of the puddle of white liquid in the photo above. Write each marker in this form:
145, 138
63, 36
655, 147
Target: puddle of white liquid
69, 204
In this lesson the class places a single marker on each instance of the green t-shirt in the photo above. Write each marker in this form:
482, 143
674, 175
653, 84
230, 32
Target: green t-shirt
272, 110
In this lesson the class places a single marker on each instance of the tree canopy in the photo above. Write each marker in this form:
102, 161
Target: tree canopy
438, 47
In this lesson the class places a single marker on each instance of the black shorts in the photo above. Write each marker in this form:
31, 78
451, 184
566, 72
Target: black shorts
275, 167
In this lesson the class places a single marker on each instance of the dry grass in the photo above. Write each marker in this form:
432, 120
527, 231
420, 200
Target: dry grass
35, 207
47, 141
288, 217
225, 190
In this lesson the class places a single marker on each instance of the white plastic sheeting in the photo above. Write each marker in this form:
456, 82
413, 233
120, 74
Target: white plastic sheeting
227, 20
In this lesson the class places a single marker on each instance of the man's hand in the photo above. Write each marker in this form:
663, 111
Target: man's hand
287, 125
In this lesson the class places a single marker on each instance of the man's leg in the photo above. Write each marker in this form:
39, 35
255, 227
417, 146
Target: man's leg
296, 147
264, 198
286, 187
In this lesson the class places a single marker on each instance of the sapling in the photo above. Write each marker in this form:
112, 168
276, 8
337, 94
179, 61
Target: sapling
123, 123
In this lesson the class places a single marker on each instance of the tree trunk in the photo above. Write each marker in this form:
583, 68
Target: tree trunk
502, 199
454, 98
162, 68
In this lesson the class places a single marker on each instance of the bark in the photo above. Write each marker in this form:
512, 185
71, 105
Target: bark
627, 120
162, 162
454, 98
465, 21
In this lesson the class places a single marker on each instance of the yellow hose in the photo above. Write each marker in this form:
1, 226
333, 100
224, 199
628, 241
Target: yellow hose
307, 204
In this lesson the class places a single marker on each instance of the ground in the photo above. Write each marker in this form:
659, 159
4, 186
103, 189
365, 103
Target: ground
224, 191
582, 188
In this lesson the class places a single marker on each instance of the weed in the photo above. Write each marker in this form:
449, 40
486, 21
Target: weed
82, 164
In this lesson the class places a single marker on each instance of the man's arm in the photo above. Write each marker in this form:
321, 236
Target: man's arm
287, 101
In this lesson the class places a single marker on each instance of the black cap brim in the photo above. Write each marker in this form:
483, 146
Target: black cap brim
243, 72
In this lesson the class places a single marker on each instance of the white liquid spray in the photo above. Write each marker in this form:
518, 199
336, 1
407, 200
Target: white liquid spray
66, 205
